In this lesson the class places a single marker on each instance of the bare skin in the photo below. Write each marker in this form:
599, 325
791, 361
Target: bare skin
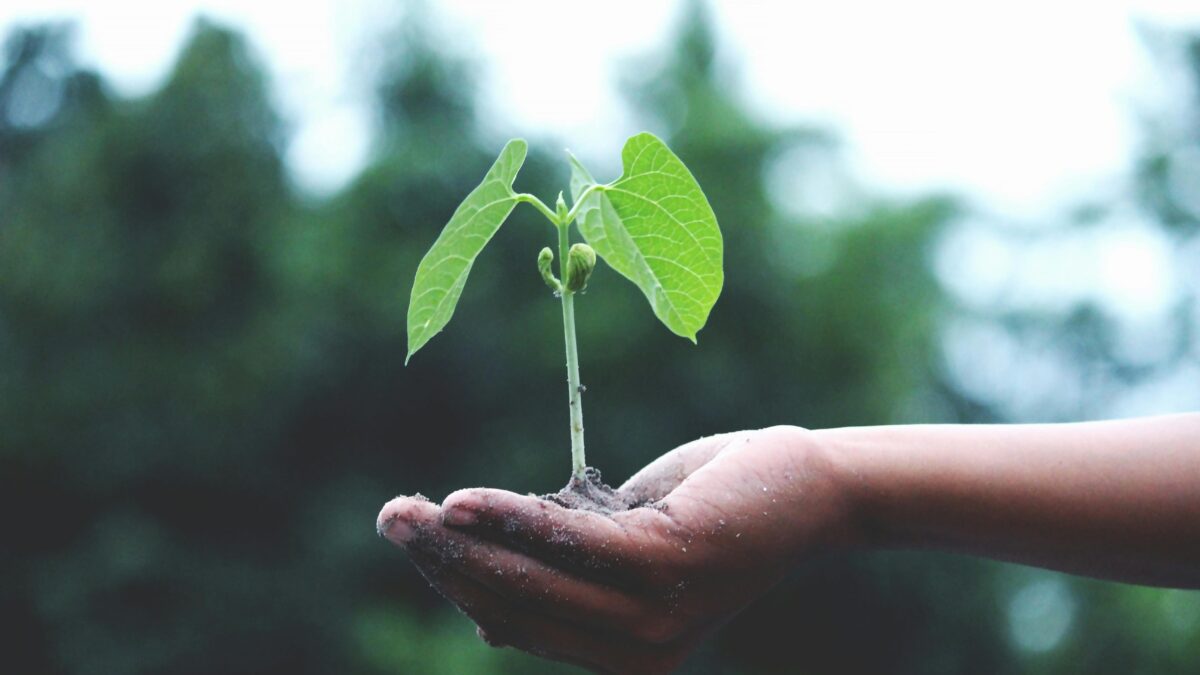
728, 516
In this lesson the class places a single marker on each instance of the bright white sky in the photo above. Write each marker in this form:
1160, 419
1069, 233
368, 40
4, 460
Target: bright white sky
1018, 104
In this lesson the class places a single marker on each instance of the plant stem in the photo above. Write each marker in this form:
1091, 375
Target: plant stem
575, 390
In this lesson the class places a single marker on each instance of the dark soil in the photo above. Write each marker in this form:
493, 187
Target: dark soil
591, 494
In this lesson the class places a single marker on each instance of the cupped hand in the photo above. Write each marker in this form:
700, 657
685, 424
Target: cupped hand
722, 519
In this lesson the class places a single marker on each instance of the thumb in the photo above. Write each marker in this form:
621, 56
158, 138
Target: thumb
659, 478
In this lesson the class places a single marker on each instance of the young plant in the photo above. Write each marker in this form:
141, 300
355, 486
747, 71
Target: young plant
652, 225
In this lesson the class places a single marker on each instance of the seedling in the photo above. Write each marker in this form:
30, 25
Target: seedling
652, 225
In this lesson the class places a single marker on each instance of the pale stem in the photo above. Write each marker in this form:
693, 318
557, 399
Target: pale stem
574, 388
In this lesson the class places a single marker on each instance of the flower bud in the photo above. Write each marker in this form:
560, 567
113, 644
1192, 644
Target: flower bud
545, 257
581, 260
560, 207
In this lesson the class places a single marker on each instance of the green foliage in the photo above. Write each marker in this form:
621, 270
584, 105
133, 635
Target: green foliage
444, 269
395, 641
655, 227
203, 406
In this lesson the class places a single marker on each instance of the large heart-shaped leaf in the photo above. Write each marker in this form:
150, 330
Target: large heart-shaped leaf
444, 269
655, 227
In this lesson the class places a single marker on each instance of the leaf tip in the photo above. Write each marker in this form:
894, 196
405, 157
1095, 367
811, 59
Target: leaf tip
520, 147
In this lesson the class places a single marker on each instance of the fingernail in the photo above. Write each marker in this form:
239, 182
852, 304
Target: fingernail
396, 530
457, 516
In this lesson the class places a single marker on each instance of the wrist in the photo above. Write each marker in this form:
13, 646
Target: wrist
827, 494
848, 452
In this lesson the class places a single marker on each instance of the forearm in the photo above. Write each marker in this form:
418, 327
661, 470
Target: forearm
1118, 500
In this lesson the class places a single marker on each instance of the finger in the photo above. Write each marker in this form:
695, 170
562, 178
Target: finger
525, 580
504, 623
444, 557
535, 585
592, 545
658, 478
405, 518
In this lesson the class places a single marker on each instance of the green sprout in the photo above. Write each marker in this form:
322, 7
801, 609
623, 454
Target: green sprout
652, 225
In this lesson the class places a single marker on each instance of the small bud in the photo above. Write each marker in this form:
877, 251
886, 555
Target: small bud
581, 260
560, 207
545, 257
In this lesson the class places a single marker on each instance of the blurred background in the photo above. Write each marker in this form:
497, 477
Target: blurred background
211, 214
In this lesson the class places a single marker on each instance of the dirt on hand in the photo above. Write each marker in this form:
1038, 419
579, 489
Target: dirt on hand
591, 494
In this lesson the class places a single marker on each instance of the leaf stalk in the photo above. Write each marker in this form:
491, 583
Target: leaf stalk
594, 187
541, 206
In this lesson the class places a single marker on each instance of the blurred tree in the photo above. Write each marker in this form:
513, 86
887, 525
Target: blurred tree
1087, 357
143, 353
1169, 168
204, 401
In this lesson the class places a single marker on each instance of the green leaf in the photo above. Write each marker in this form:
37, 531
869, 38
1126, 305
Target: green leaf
654, 226
444, 269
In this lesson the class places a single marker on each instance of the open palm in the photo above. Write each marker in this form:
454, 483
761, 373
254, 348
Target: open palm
721, 520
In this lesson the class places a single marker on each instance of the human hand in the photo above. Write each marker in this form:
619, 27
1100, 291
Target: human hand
722, 520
